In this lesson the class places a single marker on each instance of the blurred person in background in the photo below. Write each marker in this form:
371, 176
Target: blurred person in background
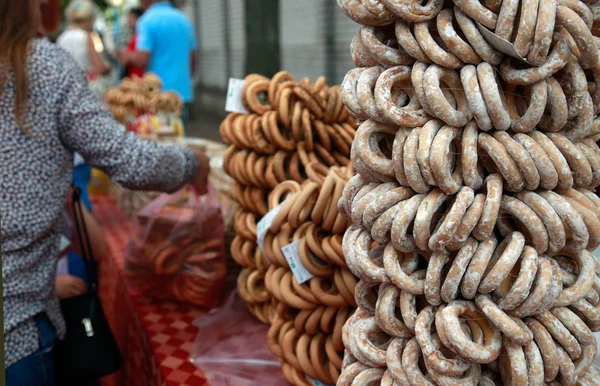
47, 112
167, 47
132, 19
78, 39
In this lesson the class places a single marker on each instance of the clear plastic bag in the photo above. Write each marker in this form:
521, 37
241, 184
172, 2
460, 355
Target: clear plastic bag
177, 249
231, 348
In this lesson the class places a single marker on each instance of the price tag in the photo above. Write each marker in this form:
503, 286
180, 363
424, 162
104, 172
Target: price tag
292, 255
316, 382
264, 224
234, 104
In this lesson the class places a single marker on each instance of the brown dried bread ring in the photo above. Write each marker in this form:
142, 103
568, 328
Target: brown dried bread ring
451, 285
575, 228
494, 96
434, 277
252, 93
528, 222
414, 12
408, 42
552, 222
452, 219
468, 77
513, 329
580, 167
565, 177
557, 104
522, 159
503, 161
506, 19
398, 155
417, 75
427, 135
356, 11
527, 122
365, 89
476, 11
452, 39
547, 346
485, 226
436, 359
467, 224
436, 51
540, 289
385, 55
401, 116
412, 169
427, 209
584, 282
359, 52
349, 94
502, 262
526, 28
544, 29
436, 100
513, 291
576, 27
447, 180
459, 342
402, 239
545, 168
472, 170
555, 62
476, 39
367, 143
275, 82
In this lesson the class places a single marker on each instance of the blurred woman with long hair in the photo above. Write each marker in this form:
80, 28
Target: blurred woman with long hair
47, 113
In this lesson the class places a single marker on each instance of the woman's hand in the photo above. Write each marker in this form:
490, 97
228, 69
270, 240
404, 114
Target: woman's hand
68, 286
200, 180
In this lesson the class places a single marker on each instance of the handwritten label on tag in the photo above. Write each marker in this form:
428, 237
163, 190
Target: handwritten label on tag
316, 382
499, 43
234, 104
292, 255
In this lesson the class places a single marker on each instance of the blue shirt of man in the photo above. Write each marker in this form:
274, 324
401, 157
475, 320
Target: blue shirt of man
167, 34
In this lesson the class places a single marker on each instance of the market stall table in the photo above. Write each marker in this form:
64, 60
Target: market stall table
156, 338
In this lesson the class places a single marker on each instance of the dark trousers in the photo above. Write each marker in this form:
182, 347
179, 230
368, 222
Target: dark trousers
38, 368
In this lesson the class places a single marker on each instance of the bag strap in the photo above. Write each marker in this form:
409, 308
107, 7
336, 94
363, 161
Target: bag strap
84, 240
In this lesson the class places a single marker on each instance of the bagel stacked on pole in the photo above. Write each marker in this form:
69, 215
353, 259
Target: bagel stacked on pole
138, 96
473, 208
290, 125
306, 332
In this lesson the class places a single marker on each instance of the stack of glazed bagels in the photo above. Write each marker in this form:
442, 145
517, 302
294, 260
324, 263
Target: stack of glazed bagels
306, 332
290, 125
138, 96
473, 210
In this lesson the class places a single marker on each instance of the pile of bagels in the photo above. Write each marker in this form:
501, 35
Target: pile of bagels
473, 208
289, 125
137, 96
306, 331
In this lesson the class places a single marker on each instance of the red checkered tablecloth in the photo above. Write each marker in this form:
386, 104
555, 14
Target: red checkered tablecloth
155, 338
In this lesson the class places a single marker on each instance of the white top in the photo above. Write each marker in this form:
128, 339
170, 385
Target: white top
74, 41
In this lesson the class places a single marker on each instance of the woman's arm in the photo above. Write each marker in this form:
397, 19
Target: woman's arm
98, 64
88, 128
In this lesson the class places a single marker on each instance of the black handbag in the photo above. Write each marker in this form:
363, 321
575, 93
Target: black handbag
89, 350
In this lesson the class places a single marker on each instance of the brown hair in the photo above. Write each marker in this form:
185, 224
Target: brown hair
19, 22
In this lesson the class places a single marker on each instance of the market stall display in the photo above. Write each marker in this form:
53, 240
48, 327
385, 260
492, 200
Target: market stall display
290, 124
140, 104
473, 212
308, 276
